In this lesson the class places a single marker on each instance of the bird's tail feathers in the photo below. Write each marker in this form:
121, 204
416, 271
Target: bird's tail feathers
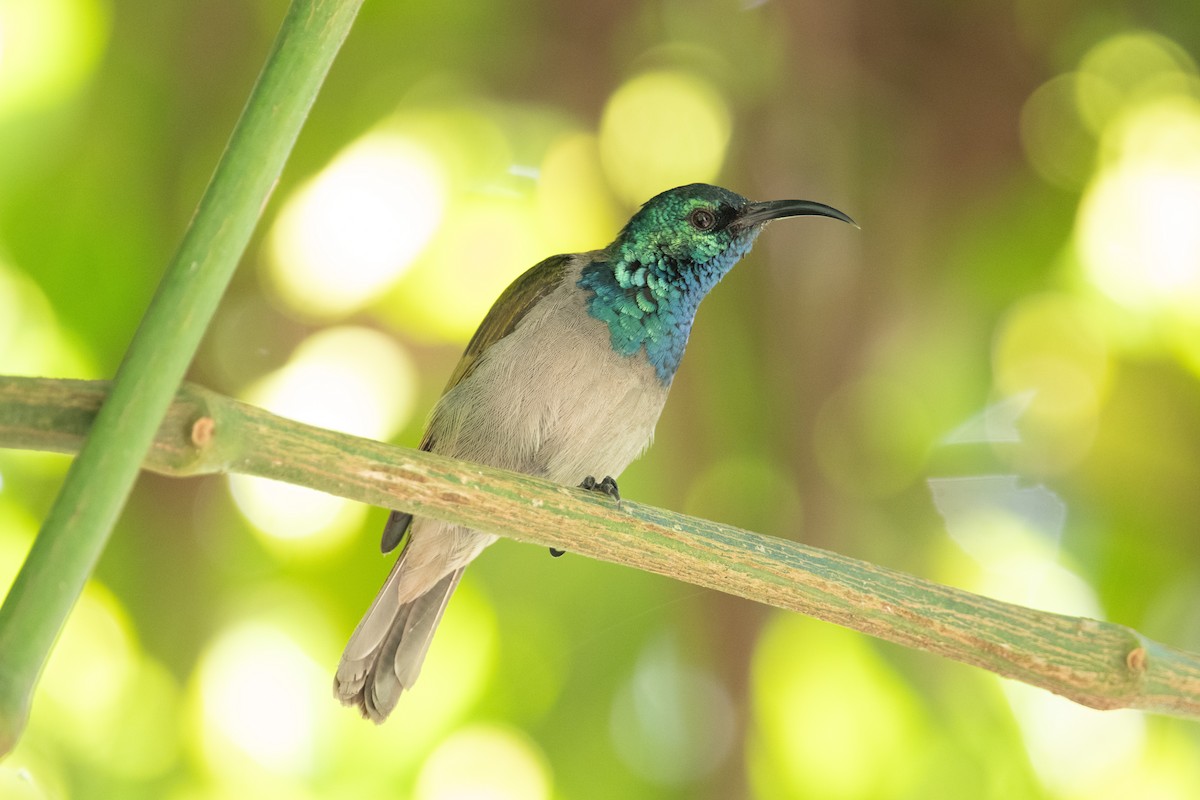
386, 650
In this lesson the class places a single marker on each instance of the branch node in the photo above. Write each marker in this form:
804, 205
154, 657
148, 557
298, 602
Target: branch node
1136, 659
202, 431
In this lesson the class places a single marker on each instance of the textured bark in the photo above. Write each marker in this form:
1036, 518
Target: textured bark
1099, 664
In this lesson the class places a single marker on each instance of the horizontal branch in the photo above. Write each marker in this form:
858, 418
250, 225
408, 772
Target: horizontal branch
1099, 664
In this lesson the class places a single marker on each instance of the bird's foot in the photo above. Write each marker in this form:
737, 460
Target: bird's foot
608, 486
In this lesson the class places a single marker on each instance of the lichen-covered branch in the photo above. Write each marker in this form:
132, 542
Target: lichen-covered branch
1098, 664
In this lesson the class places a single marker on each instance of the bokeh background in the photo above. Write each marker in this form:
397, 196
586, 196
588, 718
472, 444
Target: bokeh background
993, 384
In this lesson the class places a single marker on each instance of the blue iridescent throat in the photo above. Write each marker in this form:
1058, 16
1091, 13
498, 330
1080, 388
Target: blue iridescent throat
651, 305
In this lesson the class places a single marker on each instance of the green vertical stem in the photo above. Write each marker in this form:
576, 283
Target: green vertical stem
100, 479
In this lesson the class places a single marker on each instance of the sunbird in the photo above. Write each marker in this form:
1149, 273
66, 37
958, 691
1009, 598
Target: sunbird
564, 379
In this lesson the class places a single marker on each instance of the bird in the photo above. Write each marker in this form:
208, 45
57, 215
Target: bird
564, 379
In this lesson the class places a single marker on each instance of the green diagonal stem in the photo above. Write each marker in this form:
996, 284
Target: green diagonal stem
98, 483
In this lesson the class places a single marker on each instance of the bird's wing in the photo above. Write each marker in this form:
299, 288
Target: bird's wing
508, 310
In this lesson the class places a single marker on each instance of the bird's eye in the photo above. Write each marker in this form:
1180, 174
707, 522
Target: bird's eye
702, 219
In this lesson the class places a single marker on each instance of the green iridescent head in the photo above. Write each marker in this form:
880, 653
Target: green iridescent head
667, 258
702, 226
686, 226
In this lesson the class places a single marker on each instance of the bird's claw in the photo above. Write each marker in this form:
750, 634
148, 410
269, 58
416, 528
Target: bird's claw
608, 486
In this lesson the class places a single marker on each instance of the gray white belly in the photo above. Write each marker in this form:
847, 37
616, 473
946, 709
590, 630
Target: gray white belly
551, 399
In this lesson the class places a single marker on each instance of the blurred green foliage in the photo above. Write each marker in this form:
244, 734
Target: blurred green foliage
994, 385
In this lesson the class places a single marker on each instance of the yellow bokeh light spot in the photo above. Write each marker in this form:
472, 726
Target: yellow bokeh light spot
485, 762
574, 204
1059, 143
258, 694
1168, 769
32, 342
104, 701
47, 49
93, 660
833, 720
484, 246
1129, 69
349, 379
1014, 534
660, 130
351, 231
1053, 347
1136, 233
294, 519
1075, 751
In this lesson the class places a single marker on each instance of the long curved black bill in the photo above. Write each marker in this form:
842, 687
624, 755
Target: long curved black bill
759, 213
